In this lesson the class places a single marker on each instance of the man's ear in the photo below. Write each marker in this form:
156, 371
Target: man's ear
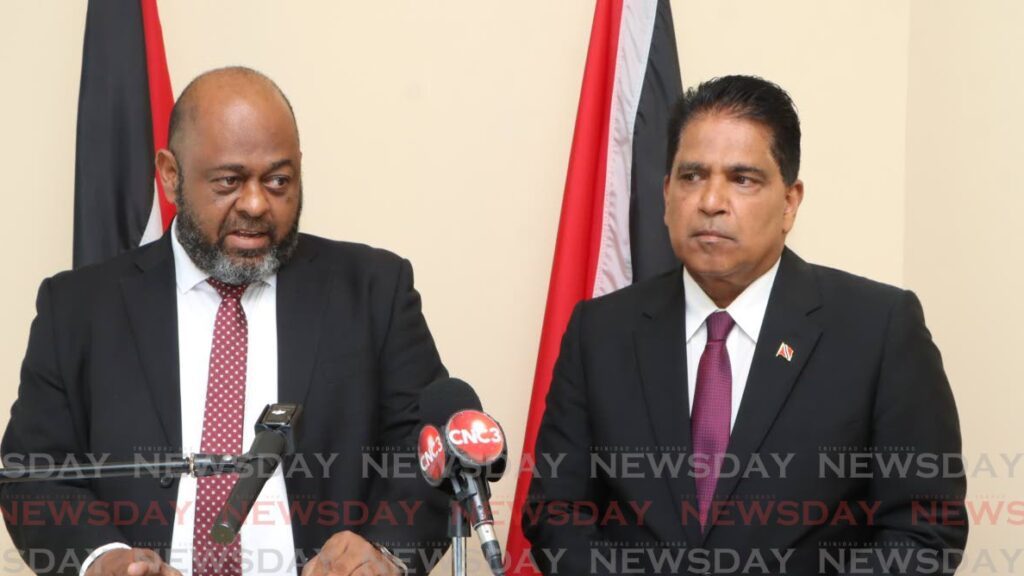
794, 196
168, 172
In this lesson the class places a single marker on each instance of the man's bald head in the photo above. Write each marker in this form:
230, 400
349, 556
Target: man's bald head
215, 85
234, 172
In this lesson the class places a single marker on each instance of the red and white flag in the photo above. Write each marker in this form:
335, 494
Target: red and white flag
611, 232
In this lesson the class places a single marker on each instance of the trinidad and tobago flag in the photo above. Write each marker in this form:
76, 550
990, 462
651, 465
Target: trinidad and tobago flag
611, 232
124, 106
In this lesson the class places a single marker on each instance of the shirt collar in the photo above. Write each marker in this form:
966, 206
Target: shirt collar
186, 273
747, 310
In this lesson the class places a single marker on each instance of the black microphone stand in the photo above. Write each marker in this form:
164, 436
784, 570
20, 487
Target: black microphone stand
198, 465
465, 489
458, 531
459, 525
273, 433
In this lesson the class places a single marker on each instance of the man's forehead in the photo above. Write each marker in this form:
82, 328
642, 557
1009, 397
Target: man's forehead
241, 132
726, 129
238, 110
725, 140
235, 101
250, 166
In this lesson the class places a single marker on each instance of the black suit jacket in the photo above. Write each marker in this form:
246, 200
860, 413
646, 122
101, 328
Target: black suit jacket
865, 388
100, 377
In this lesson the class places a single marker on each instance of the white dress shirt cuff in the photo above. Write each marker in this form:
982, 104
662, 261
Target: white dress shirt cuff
99, 552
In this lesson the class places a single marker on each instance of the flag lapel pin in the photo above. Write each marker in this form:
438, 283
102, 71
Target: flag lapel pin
785, 351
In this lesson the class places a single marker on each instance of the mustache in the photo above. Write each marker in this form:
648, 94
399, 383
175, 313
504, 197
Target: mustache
248, 225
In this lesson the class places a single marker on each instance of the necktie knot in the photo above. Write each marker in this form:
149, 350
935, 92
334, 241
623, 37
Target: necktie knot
228, 291
719, 325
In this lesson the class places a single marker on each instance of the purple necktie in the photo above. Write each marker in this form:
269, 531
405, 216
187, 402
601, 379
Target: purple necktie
712, 409
222, 430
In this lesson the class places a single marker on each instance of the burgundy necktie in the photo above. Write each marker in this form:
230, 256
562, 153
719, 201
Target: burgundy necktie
712, 408
222, 430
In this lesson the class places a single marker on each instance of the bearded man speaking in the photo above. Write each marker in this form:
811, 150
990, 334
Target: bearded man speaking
176, 346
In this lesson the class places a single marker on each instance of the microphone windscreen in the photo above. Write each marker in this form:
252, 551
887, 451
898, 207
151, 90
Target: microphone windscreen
444, 397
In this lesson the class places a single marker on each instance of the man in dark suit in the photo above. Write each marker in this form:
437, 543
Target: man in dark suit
175, 347
750, 413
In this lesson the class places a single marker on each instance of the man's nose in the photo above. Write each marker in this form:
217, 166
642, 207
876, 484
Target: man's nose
713, 197
253, 199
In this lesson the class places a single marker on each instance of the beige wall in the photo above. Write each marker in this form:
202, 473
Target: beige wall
441, 131
827, 55
963, 230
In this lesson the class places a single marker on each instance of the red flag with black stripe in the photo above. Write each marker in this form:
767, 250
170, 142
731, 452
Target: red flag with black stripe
124, 106
611, 232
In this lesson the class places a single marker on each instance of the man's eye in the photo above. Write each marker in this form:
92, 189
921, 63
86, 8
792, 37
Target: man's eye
278, 181
689, 176
230, 181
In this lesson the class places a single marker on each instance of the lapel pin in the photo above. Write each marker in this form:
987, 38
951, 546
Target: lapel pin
785, 351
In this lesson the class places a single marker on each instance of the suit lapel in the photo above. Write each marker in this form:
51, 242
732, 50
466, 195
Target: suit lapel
151, 303
794, 295
661, 356
302, 291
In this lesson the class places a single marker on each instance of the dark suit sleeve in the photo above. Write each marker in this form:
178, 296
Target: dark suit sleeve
408, 362
42, 423
553, 520
915, 415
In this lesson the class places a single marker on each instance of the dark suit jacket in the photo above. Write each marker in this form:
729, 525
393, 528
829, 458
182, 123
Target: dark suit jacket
864, 386
101, 377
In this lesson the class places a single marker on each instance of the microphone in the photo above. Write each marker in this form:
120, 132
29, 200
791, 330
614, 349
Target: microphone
463, 455
273, 440
477, 446
438, 402
445, 397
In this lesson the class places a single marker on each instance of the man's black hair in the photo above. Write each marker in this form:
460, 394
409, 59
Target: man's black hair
748, 97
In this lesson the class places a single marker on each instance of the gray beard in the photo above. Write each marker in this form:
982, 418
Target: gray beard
212, 259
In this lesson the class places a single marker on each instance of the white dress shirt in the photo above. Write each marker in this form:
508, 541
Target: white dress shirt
267, 543
747, 310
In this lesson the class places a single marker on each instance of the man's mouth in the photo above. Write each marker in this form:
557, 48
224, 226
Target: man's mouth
247, 239
710, 236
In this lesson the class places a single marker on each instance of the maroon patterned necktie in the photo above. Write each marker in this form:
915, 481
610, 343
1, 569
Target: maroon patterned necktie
712, 408
222, 430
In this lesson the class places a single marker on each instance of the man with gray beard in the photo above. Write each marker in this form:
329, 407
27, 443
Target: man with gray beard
175, 348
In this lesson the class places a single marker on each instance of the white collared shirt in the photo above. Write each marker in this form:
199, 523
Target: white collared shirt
747, 310
267, 542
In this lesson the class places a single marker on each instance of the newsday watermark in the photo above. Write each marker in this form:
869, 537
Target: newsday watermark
602, 462
610, 557
41, 510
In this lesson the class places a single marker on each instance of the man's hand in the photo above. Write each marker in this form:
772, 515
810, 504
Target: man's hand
348, 554
134, 562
